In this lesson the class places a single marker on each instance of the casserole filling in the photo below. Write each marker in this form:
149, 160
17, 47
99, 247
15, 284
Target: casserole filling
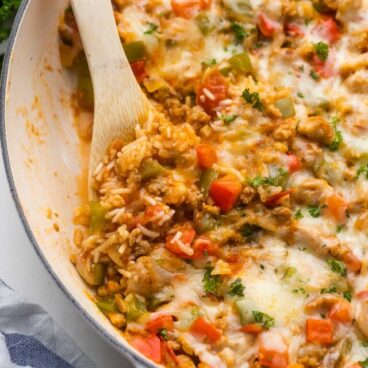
233, 231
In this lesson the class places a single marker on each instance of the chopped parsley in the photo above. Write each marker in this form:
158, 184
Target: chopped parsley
298, 214
163, 333
239, 32
329, 290
210, 282
337, 267
227, 119
253, 99
248, 230
207, 64
364, 363
264, 319
278, 180
363, 170
321, 50
347, 295
339, 228
338, 139
152, 28
314, 211
236, 288
314, 75
299, 94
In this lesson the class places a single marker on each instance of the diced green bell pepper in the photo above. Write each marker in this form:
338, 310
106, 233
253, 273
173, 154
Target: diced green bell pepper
286, 107
207, 177
204, 224
134, 50
225, 71
241, 62
240, 10
107, 305
97, 219
151, 169
135, 307
84, 85
98, 270
244, 308
204, 23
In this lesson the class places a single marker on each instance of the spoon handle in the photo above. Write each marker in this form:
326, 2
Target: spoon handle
119, 101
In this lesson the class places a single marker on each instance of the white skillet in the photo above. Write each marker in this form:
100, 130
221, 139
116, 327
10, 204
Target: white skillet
42, 154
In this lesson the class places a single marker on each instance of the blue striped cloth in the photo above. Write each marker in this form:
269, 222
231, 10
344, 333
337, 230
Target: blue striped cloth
30, 338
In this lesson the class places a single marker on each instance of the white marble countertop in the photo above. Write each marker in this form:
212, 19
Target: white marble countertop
22, 270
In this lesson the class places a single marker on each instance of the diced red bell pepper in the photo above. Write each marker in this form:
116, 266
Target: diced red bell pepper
189, 8
202, 327
159, 323
293, 163
320, 331
337, 207
187, 237
225, 192
277, 198
362, 295
273, 351
253, 329
329, 30
341, 312
206, 155
293, 30
213, 89
139, 70
267, 26
325, 69
204, 246
352, 263
149, 346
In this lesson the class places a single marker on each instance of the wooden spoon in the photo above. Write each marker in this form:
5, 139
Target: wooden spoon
119, 103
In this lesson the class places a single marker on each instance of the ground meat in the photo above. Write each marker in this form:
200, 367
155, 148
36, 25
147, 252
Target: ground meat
247, 195
141, 248
316, 128
197, 117
131, 155
311, 191
176, 110
147, 277
285, 131
283, 214
310, 154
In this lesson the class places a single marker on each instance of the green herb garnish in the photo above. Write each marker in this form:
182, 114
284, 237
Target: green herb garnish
163, 333
329, 290
277, 180
253, 99
210, 282
347, 295
236, 288
321, 50
298, 214
337, 266
315, 211
339, 228
228, 118
314, 75
152, 27
364, 363
363, 170
239, 32
263, 319
248, 230
338, 139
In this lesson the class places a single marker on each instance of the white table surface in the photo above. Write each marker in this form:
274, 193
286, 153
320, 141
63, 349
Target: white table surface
22, 270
